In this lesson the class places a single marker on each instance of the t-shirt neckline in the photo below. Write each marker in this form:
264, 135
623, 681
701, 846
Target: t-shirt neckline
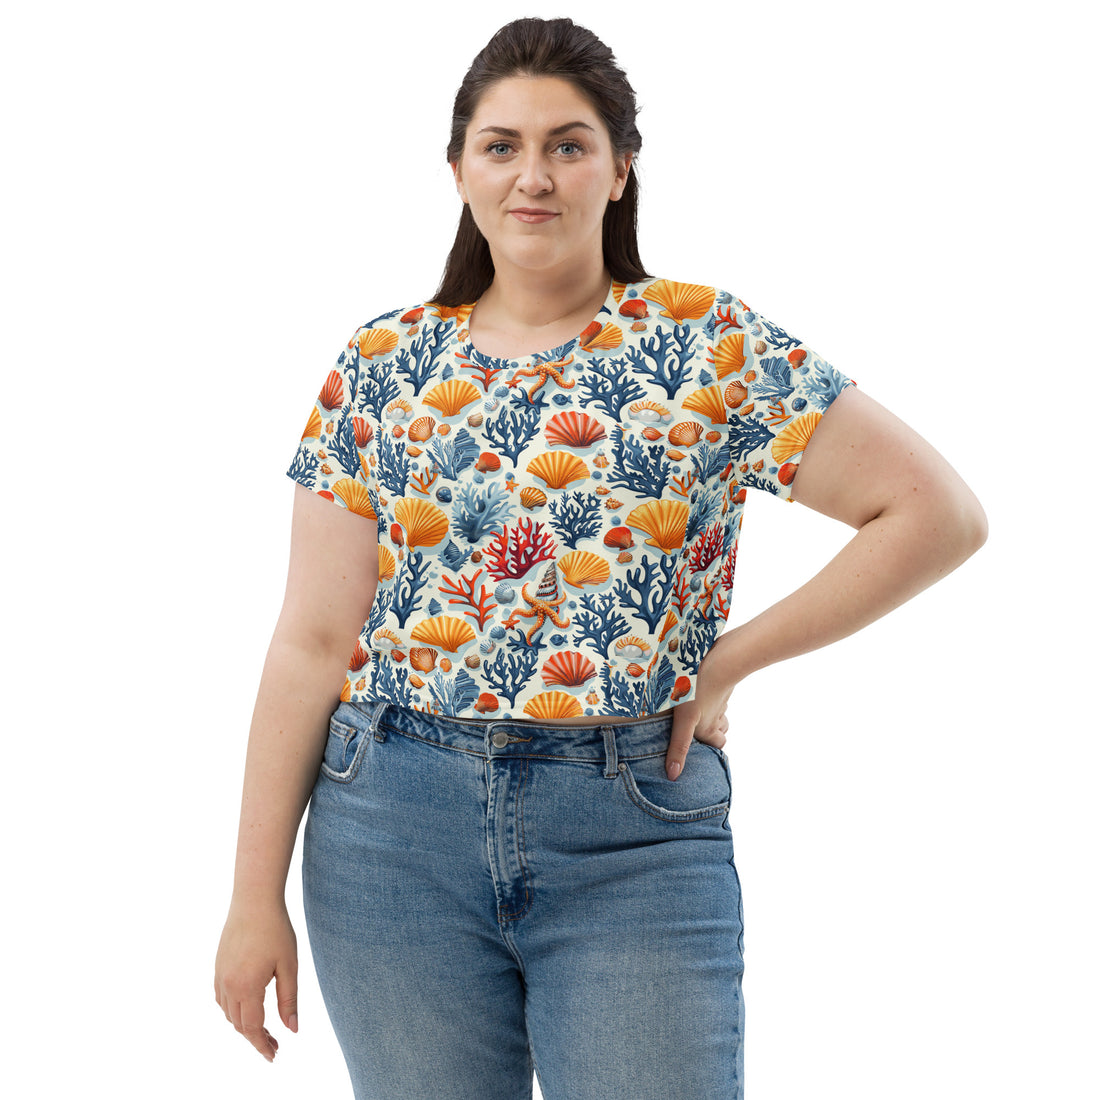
550, 354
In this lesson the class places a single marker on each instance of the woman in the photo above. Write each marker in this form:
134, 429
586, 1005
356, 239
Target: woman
518, 854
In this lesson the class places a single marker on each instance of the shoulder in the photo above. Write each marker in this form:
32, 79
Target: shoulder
678, 300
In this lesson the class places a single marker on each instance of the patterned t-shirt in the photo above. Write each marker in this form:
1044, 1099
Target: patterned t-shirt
557, 533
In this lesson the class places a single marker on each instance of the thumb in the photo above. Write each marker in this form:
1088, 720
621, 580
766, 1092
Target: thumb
286, 992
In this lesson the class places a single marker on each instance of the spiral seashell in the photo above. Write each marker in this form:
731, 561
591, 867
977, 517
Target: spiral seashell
553, 704
581, 567
665, 521
729, 356
444, 632
570, 669
682, 301
355, 497
573, 429
793, 438
632, 646
548, 584
685, 434
377, 341
558, 469
422, 658
423, 522
313, 426
452, 396
421, 428
532, 497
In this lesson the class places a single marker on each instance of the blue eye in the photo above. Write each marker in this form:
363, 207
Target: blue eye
497, 146
570, 145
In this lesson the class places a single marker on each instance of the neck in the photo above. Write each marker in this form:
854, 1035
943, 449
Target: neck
537, 299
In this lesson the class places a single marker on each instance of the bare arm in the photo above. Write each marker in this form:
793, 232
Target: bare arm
331, 584
916, 521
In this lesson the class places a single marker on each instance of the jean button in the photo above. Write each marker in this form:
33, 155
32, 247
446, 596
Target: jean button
500, 739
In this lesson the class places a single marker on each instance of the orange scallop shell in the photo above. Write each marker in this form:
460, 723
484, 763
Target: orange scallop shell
386, 564
793, 438
421, 428
444, 632
313, 425
685, 434
422, 658
354, 495
707, 403
332, 392
558, 469
665, 521
532, 497
682, 301
569, 668
424, 523
452, 396
553, 704
729, 355
377, 341
581, 567
573, 429
604, 338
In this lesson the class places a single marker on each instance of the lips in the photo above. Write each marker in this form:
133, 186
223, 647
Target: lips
531, 215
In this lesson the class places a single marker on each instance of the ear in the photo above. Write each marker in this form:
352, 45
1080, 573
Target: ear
456, 168
622, 173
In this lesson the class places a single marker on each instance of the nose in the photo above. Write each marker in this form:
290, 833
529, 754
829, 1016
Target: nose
534, 174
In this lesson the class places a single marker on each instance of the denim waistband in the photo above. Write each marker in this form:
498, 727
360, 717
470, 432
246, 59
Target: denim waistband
507, 737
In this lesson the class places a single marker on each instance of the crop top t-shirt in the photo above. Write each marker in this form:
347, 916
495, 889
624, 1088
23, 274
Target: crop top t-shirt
557, 533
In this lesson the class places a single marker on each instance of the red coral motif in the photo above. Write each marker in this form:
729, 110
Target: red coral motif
681, 590
512, 554
705, 550
481, 606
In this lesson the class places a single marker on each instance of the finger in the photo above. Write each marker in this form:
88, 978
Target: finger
252, 1027
683, 726
286, 992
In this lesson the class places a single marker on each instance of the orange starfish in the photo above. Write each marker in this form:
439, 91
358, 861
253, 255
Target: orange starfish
541, 608
542, 371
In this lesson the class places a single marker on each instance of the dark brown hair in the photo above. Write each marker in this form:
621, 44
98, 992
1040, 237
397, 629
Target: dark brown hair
547, 47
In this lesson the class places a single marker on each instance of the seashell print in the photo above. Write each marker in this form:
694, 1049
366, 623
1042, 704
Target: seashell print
746, 410
345, 692
618, 290
416, 681
423, 522
363, 431
735, 394
443, 429
397, 431
707, 403
612, 503
487, 462
620, 538
399, 409
581, 567
486, 703
313, 426
665, 521
675, 456
559, 469
573, 429
787, 472
460, 314
444, 664
443, 632
601, 461
332, 392
548, 584
386, 640
670, 622
326, 469
413, 452
793, 438
796, 358
377, 341
682, 301
553, 704
649, 412
592, 697
750, 376
532, 497
729, 355
475, 420
354, 495
472, 660
638, 326
422, 658
624, 555
452, 396
634, 308
632, 646
713, 436
387, 566
685, 434
359, 658
680, 688
602, 490
652, 433
412, 316
421, 428
635, 669
504, 592
570, 669
605, 338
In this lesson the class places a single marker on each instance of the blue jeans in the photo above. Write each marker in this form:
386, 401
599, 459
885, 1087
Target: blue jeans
487, 900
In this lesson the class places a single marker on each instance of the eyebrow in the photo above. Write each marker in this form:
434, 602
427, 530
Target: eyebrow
505, 132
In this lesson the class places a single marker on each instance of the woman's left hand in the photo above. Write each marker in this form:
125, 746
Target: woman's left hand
704, 717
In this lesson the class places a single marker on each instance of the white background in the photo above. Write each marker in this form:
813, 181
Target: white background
203, 201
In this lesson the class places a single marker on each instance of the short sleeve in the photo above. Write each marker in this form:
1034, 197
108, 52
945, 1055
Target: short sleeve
775, 402
335, 457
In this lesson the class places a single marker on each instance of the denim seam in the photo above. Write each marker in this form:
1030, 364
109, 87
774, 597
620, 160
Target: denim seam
522, 853
672, 817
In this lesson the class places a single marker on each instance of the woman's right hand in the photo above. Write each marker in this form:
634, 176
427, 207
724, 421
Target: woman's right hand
257, 944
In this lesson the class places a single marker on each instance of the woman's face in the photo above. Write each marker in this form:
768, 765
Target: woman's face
538, 172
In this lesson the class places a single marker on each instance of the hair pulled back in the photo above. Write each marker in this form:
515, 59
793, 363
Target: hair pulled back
547, 47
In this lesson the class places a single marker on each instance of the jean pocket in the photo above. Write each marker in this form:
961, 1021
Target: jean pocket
343, 750
702, 791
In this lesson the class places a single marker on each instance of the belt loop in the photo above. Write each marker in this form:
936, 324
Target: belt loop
380, 706
610, 752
